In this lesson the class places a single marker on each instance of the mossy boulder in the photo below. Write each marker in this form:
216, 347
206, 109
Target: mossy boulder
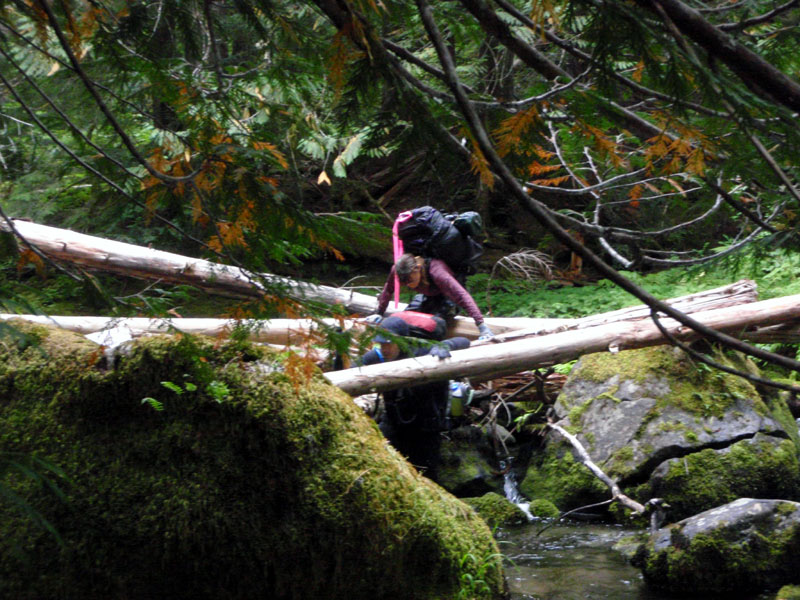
712, 477
743, 547
643, 414
543, 509
466, 468
248, 482
788, 592
497, 511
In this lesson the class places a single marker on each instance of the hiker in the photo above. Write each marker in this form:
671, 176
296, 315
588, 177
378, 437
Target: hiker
414, 417
437, 287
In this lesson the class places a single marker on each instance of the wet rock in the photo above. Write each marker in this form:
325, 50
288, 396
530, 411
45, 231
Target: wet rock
742, 547
467, 467
543, 509
642, 415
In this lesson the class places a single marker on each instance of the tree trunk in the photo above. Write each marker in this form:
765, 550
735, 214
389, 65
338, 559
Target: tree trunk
290, 332
284, 332
146, 263
733, 294
495, 360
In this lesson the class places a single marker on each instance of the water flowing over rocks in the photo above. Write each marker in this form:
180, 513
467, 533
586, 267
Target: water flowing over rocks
745, 546
661, 425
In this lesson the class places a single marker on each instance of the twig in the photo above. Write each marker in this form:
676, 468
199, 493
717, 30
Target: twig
583, 456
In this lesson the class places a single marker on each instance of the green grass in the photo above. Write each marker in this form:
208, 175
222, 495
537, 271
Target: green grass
775, 272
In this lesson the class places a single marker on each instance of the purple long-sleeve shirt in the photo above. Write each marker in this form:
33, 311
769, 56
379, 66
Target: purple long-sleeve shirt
441, 281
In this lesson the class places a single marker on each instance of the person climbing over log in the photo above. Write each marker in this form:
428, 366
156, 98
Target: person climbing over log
439, 291
413, 417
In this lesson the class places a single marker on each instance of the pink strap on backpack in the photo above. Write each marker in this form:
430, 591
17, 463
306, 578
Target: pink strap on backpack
397, 244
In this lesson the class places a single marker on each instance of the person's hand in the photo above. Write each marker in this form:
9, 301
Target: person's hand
440, 351
484, 332
373, 319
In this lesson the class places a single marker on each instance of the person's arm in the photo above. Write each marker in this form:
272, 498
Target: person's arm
442, 277
442, 349
386, 293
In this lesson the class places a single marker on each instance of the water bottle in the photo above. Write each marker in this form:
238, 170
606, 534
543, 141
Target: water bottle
456, 403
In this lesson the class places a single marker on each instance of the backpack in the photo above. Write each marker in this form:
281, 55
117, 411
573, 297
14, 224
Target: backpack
426, 232
423, 325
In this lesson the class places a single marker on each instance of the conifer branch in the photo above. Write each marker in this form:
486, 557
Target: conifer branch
502, 171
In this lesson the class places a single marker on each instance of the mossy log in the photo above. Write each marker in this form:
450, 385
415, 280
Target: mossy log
235, 479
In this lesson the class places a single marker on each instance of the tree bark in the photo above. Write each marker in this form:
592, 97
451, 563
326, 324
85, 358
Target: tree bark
146, 263
290, 332
489, 361
284, 332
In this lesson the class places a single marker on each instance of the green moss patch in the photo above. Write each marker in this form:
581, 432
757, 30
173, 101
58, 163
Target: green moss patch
694, 387
497, 511
760, 468
277, 489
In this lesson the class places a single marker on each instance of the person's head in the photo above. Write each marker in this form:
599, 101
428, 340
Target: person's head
409, 269
393, 325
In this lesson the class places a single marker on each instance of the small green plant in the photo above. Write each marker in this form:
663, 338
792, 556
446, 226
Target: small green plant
218, 390
187, 387
153, 403
564, 368
473, 576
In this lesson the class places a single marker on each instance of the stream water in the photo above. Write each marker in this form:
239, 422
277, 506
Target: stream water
575, 562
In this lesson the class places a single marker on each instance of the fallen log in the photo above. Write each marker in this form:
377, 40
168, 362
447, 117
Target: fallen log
286, 332
147, 263
733, 294
490, 361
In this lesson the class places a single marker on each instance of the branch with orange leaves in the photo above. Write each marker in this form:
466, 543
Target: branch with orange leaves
502, 171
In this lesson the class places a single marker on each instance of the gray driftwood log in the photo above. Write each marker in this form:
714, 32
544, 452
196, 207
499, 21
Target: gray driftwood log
496, 360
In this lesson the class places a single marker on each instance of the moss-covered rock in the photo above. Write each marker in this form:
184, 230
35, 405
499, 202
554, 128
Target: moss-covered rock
643, 415
465, 469
788, 592
497, 511
743, 547
247, 483
543, 509
712, 477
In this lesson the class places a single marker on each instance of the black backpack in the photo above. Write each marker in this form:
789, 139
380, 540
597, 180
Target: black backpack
425, 231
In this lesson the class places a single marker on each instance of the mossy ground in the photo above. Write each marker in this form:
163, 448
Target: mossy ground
789, 592
279, 489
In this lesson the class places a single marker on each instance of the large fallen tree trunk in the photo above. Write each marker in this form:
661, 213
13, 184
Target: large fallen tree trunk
271, 331
286, 332
733, 294
146, 263
489, 361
